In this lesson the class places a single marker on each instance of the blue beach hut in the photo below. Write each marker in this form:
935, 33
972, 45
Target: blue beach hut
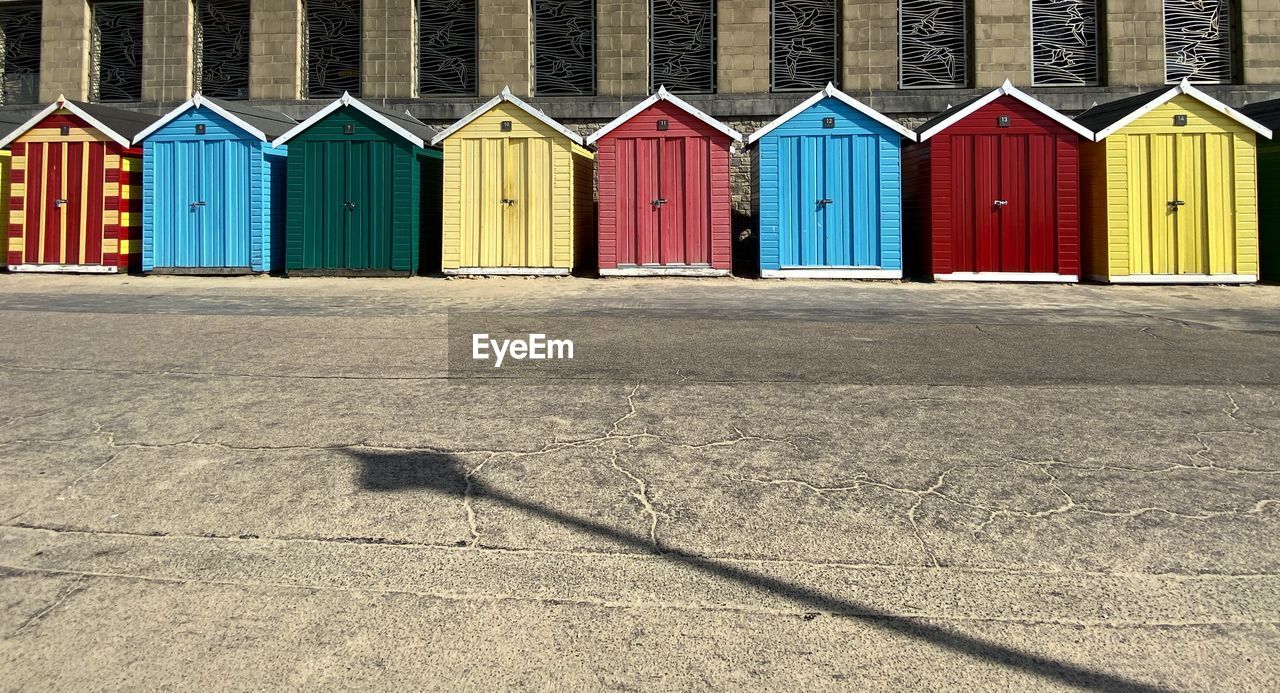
828, 180
213, 189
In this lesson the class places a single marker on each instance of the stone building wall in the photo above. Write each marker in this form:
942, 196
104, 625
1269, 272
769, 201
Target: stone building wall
166, 50
275, 49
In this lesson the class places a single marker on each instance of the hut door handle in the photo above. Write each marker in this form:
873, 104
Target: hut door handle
350, 206
508, 201
659, 202
1002, 203
1175, 204
60, 202
197, 203
826, 201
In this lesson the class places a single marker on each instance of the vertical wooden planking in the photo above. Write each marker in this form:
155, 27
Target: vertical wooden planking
843, 221
647, 175
790, 191
860, 245
94, 202
51, 231
963, 231
1041, 214
510, 248
679, 244
1015, 177
74, 211
619, 224
489, 195
543, 165
987, 163
812, 168
694, 200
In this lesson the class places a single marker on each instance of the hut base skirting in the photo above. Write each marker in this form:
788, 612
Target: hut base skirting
830, 273
204, 271
1176, 279
664, 271
347, 273
76, 269
1043, 277
508, 272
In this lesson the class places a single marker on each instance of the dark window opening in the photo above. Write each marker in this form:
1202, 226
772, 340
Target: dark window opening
331, 48
682, 46
564, 47
115, 52
20, 48
447, 47
221, 41
805, 45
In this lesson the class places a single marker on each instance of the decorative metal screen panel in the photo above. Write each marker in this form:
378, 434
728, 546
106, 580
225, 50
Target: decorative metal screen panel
564, 47
20, 47
332, 48
221, 56
1197, 40
115, 52
682, 45
932, 45
805, 43
447, 47
1064, 42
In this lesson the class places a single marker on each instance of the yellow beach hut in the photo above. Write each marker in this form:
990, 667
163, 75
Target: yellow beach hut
1169, 190
517, 192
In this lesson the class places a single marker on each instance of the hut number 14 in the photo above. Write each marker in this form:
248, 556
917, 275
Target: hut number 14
535, 348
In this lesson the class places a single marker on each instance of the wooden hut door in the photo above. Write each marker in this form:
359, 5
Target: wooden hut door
832, 201
1180, 201
1004, 193
670, 195
60, 228
513, 223
220, 202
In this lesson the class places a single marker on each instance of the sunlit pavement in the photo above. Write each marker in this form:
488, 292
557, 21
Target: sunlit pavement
258, 482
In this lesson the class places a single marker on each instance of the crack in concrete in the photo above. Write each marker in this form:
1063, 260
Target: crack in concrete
66, 593
631, 410
864, 480
1235, 409
734, 559
1069, 504
1147, 331
223, 374
641, 494
1110, 623
982, 331
473, 525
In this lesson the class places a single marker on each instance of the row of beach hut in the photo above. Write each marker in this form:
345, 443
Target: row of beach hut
1160, 187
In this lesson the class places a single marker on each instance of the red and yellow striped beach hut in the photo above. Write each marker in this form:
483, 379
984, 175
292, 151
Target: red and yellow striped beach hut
75, 189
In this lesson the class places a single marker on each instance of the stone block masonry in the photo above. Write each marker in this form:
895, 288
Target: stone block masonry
275, 49
166, 50
389, 57
64, 51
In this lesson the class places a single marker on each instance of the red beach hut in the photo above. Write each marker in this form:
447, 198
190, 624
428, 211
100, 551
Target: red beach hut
664, 190
994, 189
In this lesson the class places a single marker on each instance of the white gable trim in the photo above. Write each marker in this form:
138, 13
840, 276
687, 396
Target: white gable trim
830, 92
1007, 89
1185, 87
664, 95
52, 108
199, 101
348, 100
507, 96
